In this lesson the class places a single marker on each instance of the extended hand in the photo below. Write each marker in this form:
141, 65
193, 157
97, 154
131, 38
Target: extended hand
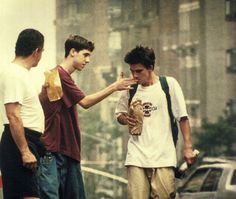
124, 84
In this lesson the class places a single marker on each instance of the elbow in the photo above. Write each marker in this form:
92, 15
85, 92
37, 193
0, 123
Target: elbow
12, 118
84, 105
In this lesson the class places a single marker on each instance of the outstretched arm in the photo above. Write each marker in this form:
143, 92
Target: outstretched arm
121, 84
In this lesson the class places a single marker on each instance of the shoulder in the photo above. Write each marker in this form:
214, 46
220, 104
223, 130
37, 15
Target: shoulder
174, 86
172, 82
14, 73
64, 75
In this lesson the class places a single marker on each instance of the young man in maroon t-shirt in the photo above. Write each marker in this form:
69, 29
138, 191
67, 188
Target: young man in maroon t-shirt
60, 175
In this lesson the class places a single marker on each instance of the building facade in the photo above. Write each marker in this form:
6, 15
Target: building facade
194, 42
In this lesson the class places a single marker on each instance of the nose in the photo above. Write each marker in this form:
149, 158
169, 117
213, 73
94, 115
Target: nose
135, 75
87, 59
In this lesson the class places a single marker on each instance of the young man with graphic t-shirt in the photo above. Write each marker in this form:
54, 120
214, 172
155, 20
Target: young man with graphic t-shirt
151, 156
60, 175
23, 119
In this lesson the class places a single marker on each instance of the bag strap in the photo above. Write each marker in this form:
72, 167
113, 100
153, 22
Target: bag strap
132, 92
165, 88
174, 127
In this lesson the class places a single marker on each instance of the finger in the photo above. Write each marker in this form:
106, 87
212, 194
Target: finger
122, 74
45, 85
31, 166
129, 79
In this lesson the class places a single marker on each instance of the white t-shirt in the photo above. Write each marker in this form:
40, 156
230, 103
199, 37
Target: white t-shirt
16, 86
154, 147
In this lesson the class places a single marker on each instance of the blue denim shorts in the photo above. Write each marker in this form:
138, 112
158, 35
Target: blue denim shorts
60, 177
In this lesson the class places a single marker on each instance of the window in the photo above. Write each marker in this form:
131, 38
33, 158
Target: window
195, 182
150, 8
203, 180
231, 60
128, 10
230, 10
233, 180
212, 180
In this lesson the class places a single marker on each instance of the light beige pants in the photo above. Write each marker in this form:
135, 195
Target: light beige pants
151, 183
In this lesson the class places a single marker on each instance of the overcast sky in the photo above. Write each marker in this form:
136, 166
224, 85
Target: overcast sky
16, 15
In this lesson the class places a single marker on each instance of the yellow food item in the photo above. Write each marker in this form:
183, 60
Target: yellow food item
53, 85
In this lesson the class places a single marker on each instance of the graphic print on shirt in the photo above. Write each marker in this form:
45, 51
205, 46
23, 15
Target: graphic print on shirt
148, 108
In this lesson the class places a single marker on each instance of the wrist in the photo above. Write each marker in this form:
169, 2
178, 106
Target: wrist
113, 87
24, 151
188, 147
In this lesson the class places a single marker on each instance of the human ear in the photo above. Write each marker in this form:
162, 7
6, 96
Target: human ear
72, 52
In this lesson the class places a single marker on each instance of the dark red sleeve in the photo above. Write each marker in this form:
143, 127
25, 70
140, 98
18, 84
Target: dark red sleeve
71, 93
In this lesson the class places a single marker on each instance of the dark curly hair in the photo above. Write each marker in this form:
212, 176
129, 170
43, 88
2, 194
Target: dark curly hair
141, 55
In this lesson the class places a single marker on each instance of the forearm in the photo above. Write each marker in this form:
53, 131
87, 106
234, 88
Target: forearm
97, 97
186, 133
17, 132
119, 85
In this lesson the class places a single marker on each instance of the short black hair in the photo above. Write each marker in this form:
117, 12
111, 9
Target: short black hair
78, 43
28, 41
141, 55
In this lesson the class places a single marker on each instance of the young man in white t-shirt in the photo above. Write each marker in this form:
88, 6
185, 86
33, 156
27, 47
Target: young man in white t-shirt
151, 156
23, 119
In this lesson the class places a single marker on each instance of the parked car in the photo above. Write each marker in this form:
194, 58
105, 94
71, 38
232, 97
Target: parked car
215, 179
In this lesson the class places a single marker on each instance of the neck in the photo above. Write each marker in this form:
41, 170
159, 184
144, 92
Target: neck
23, 62
152, 80
67, 65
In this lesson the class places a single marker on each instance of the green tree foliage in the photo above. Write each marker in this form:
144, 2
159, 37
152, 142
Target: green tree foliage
219, 138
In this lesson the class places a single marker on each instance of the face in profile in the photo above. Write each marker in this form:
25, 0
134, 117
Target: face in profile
81, 58
141, 73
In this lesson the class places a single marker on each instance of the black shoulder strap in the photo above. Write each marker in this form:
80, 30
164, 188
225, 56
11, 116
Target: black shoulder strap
165, 88
174, 126
132, 92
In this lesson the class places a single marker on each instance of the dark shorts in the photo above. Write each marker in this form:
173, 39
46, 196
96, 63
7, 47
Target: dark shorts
18, 181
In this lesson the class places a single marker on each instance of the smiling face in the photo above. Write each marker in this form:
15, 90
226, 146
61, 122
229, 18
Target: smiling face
141, 73
80, 59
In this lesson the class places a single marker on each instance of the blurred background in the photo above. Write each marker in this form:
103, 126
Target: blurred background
194, 41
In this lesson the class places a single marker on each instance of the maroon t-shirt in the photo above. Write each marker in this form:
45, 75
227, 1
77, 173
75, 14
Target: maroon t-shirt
62, 132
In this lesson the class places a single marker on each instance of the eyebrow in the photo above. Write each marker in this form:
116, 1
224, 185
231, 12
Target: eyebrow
136, 69
86, 54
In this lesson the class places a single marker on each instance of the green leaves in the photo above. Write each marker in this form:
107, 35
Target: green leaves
218, 138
